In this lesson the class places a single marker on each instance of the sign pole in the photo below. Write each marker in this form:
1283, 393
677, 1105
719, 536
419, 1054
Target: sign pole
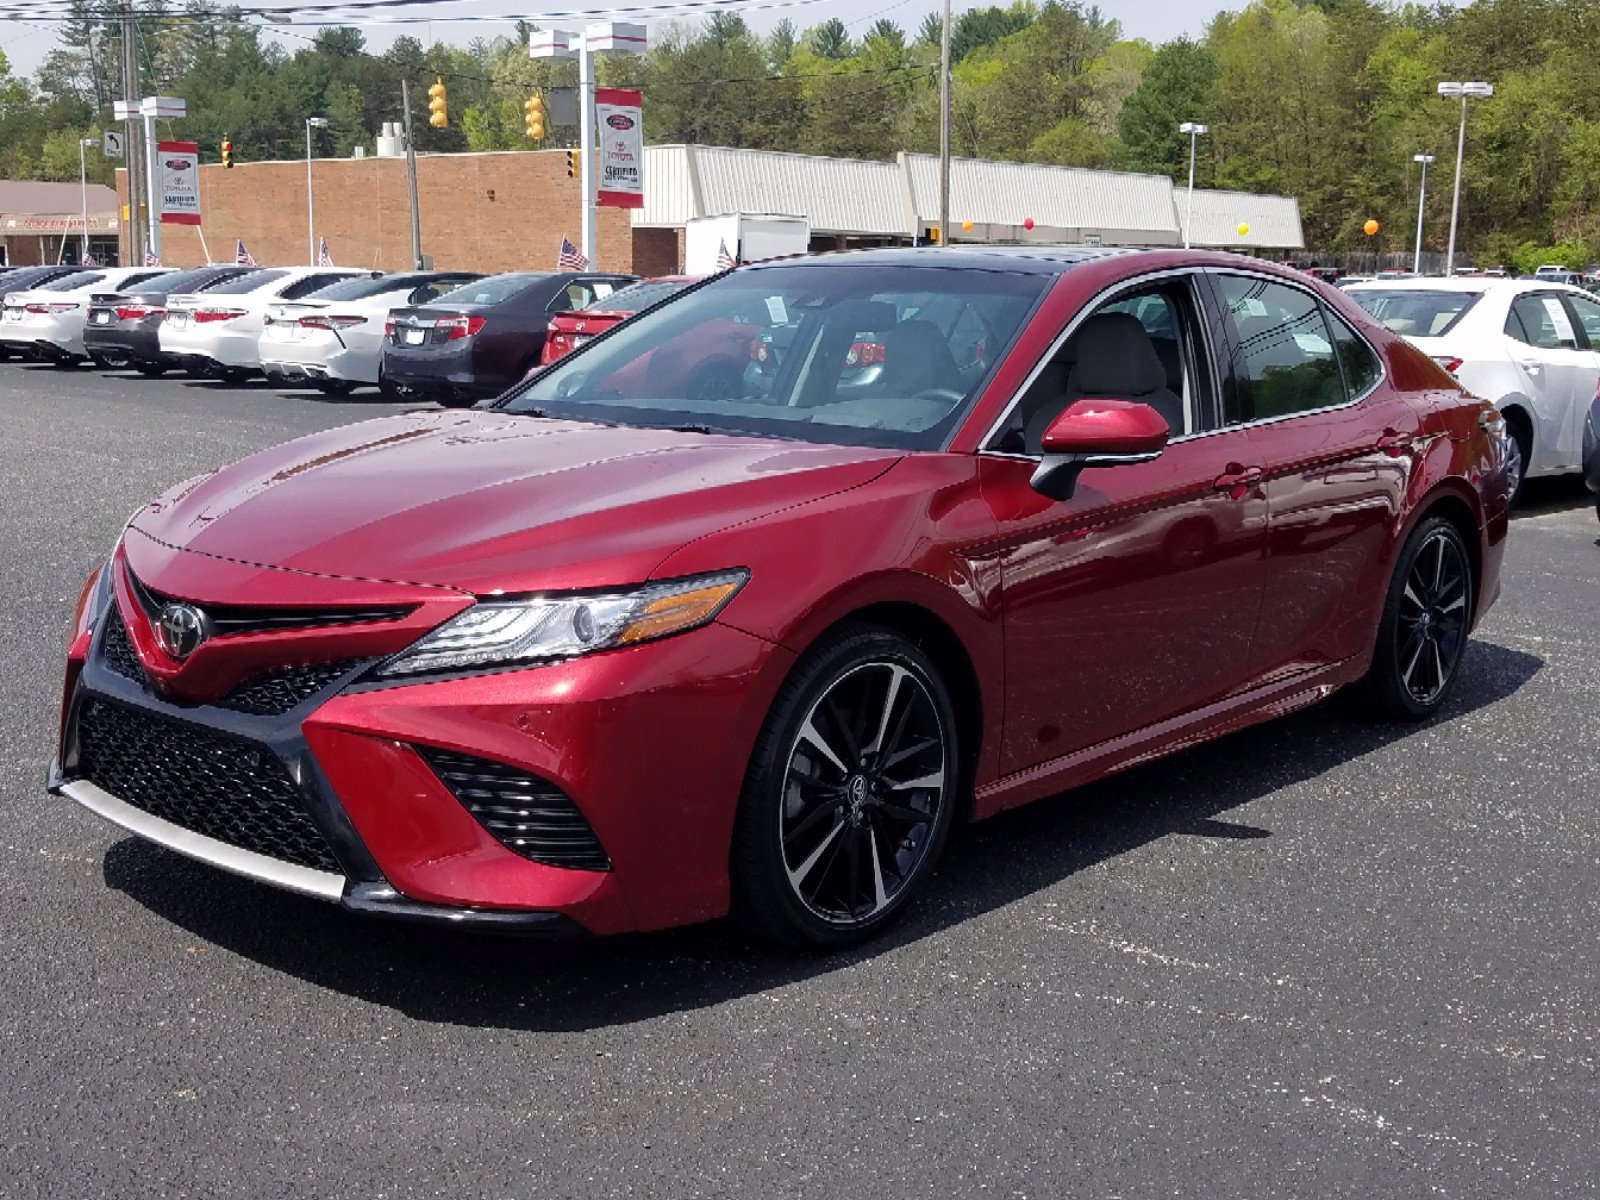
586, 146
153, 176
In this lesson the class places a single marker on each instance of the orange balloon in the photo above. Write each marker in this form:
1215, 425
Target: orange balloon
1370, 228
967, 225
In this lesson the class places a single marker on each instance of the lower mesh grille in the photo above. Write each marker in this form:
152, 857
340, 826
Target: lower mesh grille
224, 787
274, 693
527, 815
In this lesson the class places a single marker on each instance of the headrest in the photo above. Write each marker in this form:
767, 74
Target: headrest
1116, 358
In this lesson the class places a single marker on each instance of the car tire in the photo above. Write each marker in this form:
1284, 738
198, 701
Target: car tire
456, 401
335, 387
152, 370
1520, 447
849, 794
1423, 633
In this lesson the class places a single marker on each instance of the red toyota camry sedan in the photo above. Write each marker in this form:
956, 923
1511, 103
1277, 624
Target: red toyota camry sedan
607, 656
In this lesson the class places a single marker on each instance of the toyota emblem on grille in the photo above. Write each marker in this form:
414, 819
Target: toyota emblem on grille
181, 628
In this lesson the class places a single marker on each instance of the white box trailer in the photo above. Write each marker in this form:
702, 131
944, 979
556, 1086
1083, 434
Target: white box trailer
749, 237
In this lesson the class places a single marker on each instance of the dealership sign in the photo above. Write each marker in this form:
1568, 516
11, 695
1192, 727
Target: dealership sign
617, 117
178, 164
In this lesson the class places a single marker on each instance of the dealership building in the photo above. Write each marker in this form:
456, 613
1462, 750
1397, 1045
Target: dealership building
42, 223
509, 210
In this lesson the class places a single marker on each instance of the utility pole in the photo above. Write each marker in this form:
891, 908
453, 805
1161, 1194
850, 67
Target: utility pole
944, 128
411, 177
130, 95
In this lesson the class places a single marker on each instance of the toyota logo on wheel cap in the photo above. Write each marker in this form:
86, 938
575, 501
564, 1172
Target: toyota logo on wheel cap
181, 628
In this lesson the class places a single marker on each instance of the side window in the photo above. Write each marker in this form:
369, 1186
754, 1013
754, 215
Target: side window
307, 285
1285, 362
574, 295
1359, 360
1544, 322
1140, 346
1588, 314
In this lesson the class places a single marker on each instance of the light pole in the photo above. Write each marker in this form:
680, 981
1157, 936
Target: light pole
599, 37
83, 185
1194, 129
1422, 200
944, 126
1464, 90
311, 206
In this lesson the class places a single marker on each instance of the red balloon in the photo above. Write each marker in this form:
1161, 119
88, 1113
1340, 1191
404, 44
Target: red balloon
1027, 223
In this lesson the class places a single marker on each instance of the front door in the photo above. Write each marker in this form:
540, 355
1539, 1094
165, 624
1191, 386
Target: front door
1135, 600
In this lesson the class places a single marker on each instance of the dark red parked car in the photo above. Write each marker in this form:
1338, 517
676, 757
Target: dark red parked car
621, 657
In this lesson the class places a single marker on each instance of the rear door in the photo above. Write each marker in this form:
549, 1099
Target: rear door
1586, 314
1555, 365
1337, 447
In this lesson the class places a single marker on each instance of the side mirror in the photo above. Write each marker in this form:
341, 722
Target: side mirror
1096, 433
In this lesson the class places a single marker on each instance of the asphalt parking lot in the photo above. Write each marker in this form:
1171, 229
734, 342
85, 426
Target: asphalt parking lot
1321, 958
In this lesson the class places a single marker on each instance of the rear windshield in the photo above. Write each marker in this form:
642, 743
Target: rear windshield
819, 352
1415, 313
493, 290
360, 288
247, 282
68, 283
637, 297
179, 281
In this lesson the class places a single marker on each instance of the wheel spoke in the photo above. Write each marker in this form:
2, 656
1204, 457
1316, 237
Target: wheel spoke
900, 756
799, 873
853, 881
904, 812
896, 674
810, 733
934, 780
1405, 674
1438, 666
811, 820
1412, 596
879, 896
1438, 562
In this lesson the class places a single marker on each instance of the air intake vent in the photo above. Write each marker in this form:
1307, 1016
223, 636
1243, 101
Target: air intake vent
527, 815
117, 650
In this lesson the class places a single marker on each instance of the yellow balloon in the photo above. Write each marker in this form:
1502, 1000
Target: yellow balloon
1370, 228
1243, 229
967, 225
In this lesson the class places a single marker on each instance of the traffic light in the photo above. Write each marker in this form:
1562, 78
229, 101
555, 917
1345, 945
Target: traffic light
440, 113
572, 164
227, 153
535, 110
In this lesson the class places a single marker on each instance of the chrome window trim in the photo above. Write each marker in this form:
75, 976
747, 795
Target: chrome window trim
1100, 297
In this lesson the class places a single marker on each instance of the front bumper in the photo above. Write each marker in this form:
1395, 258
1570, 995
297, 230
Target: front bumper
649, 744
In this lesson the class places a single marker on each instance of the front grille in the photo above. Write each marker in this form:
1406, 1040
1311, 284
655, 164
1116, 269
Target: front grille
224, 787
273, 693
527, 815
235, 618
117, 650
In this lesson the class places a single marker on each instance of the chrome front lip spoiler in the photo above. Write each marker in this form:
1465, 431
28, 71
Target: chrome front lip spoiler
324, 885
369, 898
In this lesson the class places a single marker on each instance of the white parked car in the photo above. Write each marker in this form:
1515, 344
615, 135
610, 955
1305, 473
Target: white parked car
334, 339
47, 321
1531, 346
218, 331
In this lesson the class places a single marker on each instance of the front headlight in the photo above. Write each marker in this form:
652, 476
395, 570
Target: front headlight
496, 633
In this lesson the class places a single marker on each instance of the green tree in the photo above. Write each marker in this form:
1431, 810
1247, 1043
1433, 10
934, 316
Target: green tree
1179, 85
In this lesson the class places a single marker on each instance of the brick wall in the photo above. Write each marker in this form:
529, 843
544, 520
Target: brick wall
482, 212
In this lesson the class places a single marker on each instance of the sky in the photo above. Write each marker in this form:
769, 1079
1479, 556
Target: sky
26, 45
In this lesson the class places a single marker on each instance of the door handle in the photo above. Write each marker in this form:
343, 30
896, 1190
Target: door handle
1394, 441
1237, 480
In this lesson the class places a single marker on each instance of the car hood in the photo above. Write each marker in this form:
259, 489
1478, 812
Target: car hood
487, 501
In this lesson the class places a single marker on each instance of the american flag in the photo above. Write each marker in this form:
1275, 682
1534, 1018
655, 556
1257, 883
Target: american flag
324, 255
89, 260
725, 260
571, 258
152, 259
241, 256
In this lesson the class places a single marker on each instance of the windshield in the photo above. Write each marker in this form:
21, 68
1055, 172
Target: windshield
69, 283
637, 297
248, 282
1414, 312
492, 290
821, 352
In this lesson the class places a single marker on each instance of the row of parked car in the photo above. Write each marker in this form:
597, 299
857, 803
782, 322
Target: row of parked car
449, 336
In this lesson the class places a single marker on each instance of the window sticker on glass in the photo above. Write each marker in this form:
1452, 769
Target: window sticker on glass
1248, 306
775, 310
1558, 318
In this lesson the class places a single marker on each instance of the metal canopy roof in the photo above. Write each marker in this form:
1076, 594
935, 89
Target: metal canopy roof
858, 197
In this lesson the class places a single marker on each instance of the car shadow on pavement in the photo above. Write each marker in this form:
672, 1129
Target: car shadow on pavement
460, 978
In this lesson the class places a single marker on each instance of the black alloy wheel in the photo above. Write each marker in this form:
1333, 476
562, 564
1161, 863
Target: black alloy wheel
850, 793
1519, 449
1424, 631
